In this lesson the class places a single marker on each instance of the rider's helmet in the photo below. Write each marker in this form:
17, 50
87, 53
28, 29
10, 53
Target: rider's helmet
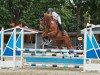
50, 10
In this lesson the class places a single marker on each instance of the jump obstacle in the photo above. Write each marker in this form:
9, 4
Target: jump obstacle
50, 57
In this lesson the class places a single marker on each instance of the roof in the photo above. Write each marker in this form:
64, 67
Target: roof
95, 28
18, 30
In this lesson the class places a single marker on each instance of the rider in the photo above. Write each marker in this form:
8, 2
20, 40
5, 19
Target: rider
57, 18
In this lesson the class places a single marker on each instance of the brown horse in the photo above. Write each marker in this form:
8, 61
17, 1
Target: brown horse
51, 30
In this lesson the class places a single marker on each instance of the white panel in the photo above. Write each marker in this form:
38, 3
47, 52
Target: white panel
92, 67
8, 64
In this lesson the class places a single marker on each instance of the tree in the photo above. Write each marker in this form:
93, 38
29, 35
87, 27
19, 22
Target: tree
4, 15
68, 18
94, 11
26, 11
78, 8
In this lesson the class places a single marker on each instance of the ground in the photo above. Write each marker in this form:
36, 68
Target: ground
46, 71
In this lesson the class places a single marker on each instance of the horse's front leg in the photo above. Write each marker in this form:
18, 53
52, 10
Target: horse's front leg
44, 34
50, 34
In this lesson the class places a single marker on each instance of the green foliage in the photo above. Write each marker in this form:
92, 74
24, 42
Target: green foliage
68, 19
94, 11
26, 12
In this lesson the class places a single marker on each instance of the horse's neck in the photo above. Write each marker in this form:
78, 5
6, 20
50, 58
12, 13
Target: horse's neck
50, 25
54, 26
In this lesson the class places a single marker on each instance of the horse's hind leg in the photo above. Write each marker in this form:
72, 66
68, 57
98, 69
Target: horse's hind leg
67, 42
59, 44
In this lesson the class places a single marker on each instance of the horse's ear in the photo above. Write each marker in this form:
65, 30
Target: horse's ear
41, 15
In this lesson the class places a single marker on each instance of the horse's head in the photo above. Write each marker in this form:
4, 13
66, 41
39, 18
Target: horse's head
45, 20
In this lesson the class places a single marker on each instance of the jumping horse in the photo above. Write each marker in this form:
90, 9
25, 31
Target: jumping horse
51, 30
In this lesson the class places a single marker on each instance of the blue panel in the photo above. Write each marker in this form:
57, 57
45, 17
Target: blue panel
88, 43
0, 40
18, 53
52, 60
8, 52
91, 54
95, 44
0, 51
9, 48
11, 41
98, 52
18, 43
0, 43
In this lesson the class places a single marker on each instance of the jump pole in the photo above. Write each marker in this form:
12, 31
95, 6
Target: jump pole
1, 42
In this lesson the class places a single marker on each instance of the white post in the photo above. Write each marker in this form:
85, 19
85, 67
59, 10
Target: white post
35, 40
14, 49
85, 38
90, 32
2, 41
22, 44
42, 44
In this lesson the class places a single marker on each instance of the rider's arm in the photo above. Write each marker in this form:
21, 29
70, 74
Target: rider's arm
59, 19
56, 17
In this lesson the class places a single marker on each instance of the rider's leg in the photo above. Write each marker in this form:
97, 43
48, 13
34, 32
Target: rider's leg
61, 28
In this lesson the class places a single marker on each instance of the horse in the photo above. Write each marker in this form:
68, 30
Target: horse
51, 30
